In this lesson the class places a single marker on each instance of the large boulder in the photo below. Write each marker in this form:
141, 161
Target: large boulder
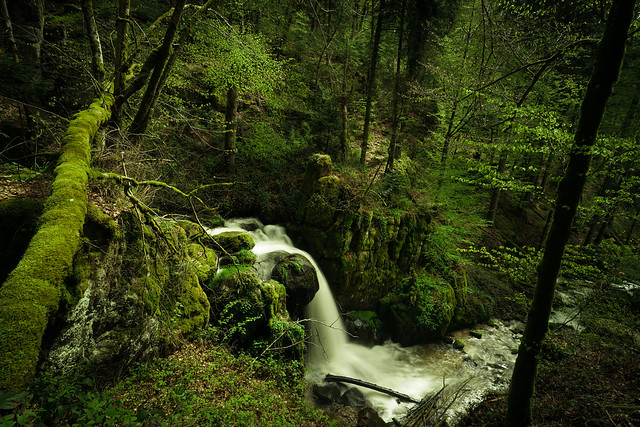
130, 296
299, 277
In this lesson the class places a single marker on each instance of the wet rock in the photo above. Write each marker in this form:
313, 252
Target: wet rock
346, 416
458, 344
365, 326
476, 334
327, 393
447, 340
354, 397
368, 417
299, 277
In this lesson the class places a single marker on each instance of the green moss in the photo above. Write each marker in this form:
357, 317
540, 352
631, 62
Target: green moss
193, 305
204, 259
48, 259
274, 296
235, 241
193, 230
368, 317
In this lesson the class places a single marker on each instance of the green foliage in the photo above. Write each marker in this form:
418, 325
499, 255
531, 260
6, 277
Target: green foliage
518, 265
368, 317
234, 58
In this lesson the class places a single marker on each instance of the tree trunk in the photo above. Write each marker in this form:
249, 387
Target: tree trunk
344, 137
395, 116
372, 386
231, 127
97, 61
495, 193
120, 56
605, 73
8, 30
141, 120
28, 30
371, 80
30, 295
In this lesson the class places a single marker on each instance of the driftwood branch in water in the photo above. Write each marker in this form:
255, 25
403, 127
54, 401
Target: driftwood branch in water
355, 381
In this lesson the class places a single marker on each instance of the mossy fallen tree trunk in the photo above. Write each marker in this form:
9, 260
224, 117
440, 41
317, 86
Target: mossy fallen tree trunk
31, 293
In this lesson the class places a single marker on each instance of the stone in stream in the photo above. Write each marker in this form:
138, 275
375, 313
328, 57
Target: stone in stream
354, 397
475, 334
458, 344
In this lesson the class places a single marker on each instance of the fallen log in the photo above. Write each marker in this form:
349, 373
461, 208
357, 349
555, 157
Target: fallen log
376, 387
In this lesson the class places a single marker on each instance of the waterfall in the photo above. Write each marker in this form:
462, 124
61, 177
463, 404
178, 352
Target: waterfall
414, 371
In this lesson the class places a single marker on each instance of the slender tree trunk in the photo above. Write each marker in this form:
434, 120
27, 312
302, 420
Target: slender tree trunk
395, 116
8, 30
371, 83
495, 193
90, 26
141, 120
231, 127
344, 137
605, 73
120, 57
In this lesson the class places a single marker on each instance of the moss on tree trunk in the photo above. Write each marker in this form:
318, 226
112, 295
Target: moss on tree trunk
31, 293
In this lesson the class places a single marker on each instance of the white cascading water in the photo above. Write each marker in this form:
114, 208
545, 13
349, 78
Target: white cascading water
414, 371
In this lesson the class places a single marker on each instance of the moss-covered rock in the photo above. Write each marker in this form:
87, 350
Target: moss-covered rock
233, 242
274, 296
299, 277
237, 305
205, 260
422, 311
139, 295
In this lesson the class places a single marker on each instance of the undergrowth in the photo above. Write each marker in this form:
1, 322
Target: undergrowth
202, 384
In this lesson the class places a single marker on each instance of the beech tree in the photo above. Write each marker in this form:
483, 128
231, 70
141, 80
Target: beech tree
604, 75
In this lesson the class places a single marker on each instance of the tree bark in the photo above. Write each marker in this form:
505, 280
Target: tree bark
371, 80
605, 73
141, 120
8, 30
120, 56
231, 127
90, 26
344, 137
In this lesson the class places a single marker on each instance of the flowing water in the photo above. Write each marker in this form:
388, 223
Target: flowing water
416, 371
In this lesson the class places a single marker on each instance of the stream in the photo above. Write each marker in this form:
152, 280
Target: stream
485, 364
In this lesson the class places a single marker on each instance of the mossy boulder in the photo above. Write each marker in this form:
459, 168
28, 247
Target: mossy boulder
299, 277
138, 296
237, 305
233, 242
318, 166
205, 260
421, 312
274, 296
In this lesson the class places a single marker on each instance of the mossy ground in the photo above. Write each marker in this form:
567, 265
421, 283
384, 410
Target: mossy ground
202, 384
